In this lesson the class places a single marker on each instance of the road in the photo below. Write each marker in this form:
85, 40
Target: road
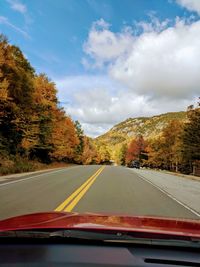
108, 189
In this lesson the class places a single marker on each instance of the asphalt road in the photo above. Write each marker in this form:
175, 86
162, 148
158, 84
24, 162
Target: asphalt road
107, 189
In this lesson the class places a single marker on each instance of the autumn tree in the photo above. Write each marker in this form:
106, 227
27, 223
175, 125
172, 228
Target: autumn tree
104, 154
135, 150
45, 112
16, 79
156, 157
63, 137
165, 151
32, 125
122, 154
90, 154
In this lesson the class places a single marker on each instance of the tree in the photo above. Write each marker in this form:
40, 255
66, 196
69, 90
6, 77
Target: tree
63, 138
16, 79
135, 149
191, 137
171, 144
32, 124
122, 154
45, 111
89, 155
103, 154
80, 146
165, 151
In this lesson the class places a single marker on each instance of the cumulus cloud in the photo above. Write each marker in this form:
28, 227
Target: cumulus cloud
94, 130
191, 5
153, 25
151, 68
99, 103
103, 45
17, 6
163, 64
161, 61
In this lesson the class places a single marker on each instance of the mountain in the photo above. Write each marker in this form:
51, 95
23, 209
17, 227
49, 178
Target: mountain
149, 127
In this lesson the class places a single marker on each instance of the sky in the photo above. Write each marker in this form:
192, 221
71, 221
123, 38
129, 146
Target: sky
111, 59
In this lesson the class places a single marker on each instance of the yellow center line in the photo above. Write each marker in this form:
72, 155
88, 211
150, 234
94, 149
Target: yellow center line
75, 195
82, 193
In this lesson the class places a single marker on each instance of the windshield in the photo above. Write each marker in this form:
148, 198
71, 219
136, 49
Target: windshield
100, 109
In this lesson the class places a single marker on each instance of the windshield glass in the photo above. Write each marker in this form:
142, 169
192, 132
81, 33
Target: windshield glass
100, 108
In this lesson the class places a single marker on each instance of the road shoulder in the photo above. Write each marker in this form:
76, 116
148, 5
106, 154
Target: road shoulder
183, 190
5, 179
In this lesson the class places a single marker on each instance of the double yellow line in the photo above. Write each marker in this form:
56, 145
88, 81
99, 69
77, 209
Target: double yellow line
75, 197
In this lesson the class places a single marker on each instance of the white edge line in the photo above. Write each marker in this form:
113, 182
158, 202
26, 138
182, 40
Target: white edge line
43, 174
168, 194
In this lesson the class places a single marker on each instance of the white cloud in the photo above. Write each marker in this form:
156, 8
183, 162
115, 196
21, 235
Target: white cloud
191, 5
5, 21
152, 68
104, 45
17, 6
94, 130
159, 63
154, 25
99, 103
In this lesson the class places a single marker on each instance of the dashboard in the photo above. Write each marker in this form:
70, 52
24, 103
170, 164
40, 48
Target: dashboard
43, 253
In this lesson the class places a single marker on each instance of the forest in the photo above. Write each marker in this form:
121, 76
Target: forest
33, 127
177, 148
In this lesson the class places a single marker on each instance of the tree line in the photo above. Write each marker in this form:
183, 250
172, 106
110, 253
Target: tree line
176, 149
33, 126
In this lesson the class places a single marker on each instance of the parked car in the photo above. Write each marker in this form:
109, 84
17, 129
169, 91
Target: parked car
135, 164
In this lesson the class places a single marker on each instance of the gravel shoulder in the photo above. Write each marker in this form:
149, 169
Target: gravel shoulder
185, 190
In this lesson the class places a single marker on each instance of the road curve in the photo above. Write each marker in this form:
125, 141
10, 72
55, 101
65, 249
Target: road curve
107, 189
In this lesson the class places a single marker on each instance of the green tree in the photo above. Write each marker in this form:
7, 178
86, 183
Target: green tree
191, 137
80, 146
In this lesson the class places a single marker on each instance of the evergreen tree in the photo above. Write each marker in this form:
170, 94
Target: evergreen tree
191, 137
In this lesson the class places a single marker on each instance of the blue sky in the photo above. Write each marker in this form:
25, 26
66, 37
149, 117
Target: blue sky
90, 49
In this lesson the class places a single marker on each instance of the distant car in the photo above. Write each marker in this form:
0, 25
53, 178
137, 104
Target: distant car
135, 164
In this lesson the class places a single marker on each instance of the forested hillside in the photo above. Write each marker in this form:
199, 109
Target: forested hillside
149, 127
169, 141
33, 126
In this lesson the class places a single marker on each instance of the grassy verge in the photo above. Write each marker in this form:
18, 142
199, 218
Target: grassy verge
23, 165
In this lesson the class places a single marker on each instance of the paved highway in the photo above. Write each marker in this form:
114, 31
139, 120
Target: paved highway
107, 189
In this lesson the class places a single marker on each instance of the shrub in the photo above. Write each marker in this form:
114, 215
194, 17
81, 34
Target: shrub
18, 165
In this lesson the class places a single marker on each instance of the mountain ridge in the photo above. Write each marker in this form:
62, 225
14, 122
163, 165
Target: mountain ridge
150, 127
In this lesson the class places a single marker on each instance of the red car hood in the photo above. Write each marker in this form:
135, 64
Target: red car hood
103, 222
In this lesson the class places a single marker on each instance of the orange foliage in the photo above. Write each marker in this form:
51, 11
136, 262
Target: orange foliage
89, 152
45, 91
63, 138
134, 149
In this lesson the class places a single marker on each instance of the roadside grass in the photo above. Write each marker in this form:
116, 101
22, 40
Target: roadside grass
20, 165
16, 166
